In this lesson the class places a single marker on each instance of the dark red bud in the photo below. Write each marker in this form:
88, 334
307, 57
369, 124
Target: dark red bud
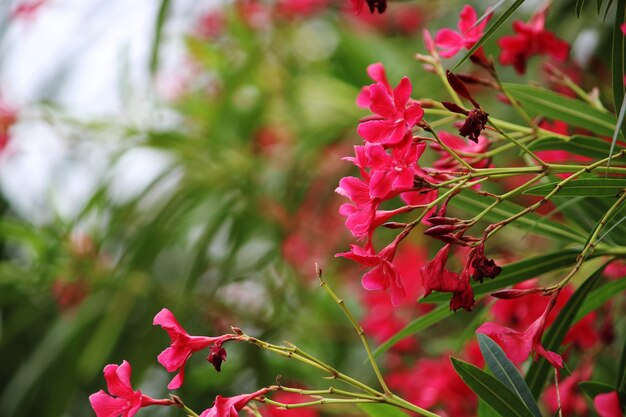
474, 124
437, 220
216, 356
454, 108
512, 293
395, 225
458, 86
440, 230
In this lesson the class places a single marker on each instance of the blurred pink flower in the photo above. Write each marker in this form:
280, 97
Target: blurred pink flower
450, 42
607, 405
123, 400
230, 406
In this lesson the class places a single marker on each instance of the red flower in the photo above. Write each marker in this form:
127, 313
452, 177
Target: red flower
175, 357
122, 401
448, 162
531, 39
291, 398
230, 407
607, 405
435, 277
396, 119
518, 345
383, 275
451, 42
395, 171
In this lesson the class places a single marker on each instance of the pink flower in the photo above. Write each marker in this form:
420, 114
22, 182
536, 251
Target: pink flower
383, 275
393, 172
377, 73
531, 39
518, 345
361, 212
27, 10
607, 405
291, 398
451, 42
396, 118
122, 401
175, 357
230, 406
374, 5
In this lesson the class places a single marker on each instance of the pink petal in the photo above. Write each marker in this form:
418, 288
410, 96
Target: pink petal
377, 73
381, 102
375, 279
468, 19
106, 406
118, 379
413, 114
449, 42
607, 405
402, 93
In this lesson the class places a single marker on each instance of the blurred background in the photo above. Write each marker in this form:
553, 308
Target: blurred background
184, 154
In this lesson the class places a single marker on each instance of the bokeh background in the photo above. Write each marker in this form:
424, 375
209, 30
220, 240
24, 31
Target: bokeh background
184, 154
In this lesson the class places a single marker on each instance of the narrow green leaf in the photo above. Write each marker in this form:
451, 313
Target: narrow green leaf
421, 323
579, 7
495, 394
538, 372
593, 388
620, 381
606, 11
618, 58
490, 31
158, 33
541, 101
516, 272
504, 370
485, 411
588, 187
618, 127
599, 6
381, 410
473, 204
490, 10
589, 146
599, 296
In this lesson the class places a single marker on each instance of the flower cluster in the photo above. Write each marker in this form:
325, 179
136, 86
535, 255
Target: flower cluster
122, 400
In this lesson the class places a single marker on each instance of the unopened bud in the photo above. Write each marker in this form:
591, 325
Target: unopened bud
512, 293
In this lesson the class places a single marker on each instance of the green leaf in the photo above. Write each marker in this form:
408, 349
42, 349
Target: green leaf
579, 7
618, 57
516, 272
421, 323
381, 410
504, 370
599, 6
618, 126
620, 381
485, 411
540, 101
473, 204
599, 296
490, 31
593, 388
158, 32
588, 187
493, 392
589, 146
538, 372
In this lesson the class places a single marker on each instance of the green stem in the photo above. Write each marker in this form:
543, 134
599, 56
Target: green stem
449, 150
592, 241
357, 327
517, 143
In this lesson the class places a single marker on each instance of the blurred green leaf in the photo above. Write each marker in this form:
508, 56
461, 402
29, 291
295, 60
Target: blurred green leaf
490, 390
589, 187
593, 388
599, 296
540, 101
588, 146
